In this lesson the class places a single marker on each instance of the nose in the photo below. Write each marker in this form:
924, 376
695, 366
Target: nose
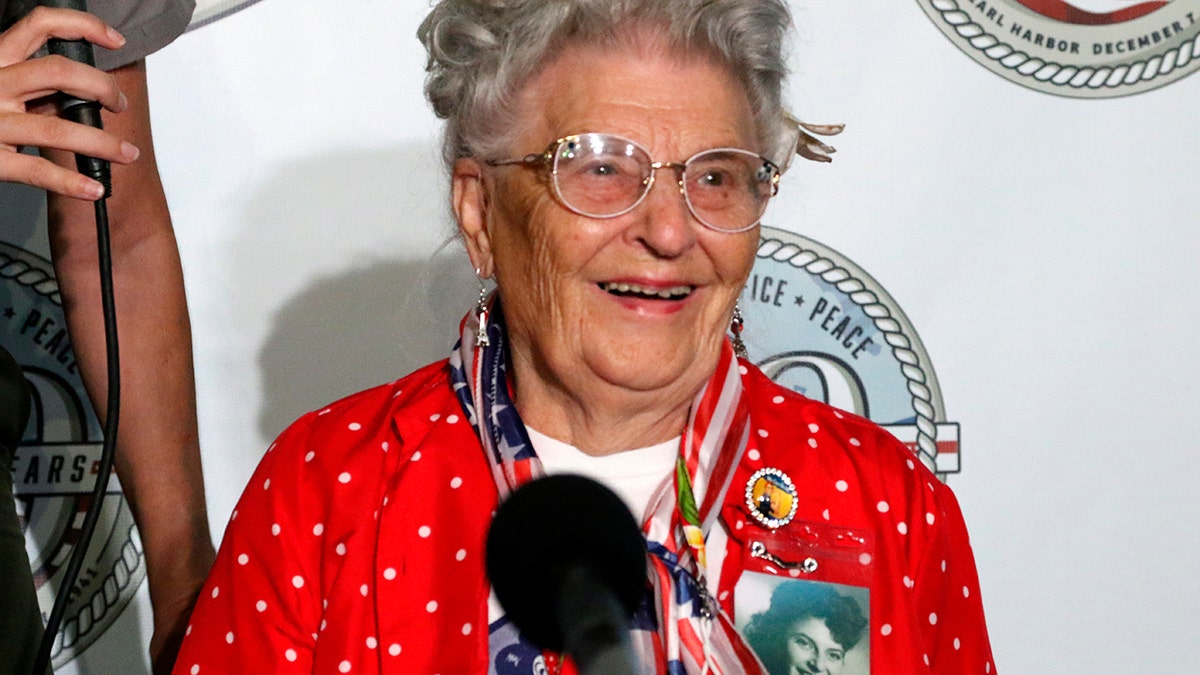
665, 224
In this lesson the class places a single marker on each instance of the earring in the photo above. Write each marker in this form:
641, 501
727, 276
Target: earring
481, 314
736, 326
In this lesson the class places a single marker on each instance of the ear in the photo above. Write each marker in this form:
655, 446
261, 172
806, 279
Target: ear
470, 202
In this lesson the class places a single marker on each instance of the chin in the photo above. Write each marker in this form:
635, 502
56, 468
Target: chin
651, 362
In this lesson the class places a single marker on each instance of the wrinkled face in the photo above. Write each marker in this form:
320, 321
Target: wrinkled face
812, 649
639, 302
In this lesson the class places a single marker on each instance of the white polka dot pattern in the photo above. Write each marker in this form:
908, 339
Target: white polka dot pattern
327, 566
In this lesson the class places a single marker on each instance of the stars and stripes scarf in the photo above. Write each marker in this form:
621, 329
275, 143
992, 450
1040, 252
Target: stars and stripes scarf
690, 634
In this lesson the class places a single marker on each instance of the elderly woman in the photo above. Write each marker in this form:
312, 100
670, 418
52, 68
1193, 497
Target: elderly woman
610, 162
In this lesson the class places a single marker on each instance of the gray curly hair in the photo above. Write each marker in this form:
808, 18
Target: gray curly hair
482, 51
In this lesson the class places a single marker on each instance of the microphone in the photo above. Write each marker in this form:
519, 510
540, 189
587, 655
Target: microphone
76, 109
568, 563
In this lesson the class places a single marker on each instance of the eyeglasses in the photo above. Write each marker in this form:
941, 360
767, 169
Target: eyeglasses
605, 176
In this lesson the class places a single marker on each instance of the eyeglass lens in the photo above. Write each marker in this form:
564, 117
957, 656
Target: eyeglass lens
602, 176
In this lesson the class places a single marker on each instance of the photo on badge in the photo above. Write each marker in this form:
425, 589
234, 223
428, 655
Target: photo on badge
800, 627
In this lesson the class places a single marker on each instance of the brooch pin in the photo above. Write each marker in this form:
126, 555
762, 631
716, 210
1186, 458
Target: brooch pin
771, 497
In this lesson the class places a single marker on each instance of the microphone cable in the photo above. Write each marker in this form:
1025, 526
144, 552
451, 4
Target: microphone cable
92, 517
88, 112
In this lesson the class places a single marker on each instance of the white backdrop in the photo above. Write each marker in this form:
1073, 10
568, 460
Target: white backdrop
1043, 248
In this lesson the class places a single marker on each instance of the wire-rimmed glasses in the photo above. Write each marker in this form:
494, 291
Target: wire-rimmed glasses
605, 176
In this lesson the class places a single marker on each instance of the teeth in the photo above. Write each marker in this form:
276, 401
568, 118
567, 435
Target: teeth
673, 293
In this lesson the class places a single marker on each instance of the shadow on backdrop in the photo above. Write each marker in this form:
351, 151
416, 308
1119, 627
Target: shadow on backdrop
361, 328
367, 321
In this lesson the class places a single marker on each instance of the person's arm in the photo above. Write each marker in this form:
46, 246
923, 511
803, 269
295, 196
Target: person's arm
263, 605
158, 457
950, 608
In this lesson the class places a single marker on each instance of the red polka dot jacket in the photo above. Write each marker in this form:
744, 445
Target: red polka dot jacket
357, 546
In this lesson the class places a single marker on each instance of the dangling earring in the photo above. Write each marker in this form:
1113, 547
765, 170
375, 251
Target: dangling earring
481, 314
736, 326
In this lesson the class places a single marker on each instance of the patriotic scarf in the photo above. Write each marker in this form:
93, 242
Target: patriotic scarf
690, 634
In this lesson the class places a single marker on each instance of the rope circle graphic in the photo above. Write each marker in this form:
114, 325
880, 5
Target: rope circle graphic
1070, 79
116, 557
925, 401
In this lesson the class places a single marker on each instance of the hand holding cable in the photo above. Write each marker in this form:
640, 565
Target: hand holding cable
29, 102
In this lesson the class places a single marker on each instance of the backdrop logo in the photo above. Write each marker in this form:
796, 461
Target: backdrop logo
818, 324
56, 465
1077, 48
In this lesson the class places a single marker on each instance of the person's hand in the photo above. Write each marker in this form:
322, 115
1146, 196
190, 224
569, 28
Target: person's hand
164, 645
28, 114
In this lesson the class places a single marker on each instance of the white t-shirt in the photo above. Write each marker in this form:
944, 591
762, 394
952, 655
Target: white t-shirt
633, 474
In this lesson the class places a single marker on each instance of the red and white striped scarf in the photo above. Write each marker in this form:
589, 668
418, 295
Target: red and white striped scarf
693, 635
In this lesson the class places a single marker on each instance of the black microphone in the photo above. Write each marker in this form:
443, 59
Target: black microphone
568, 563
76, 109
